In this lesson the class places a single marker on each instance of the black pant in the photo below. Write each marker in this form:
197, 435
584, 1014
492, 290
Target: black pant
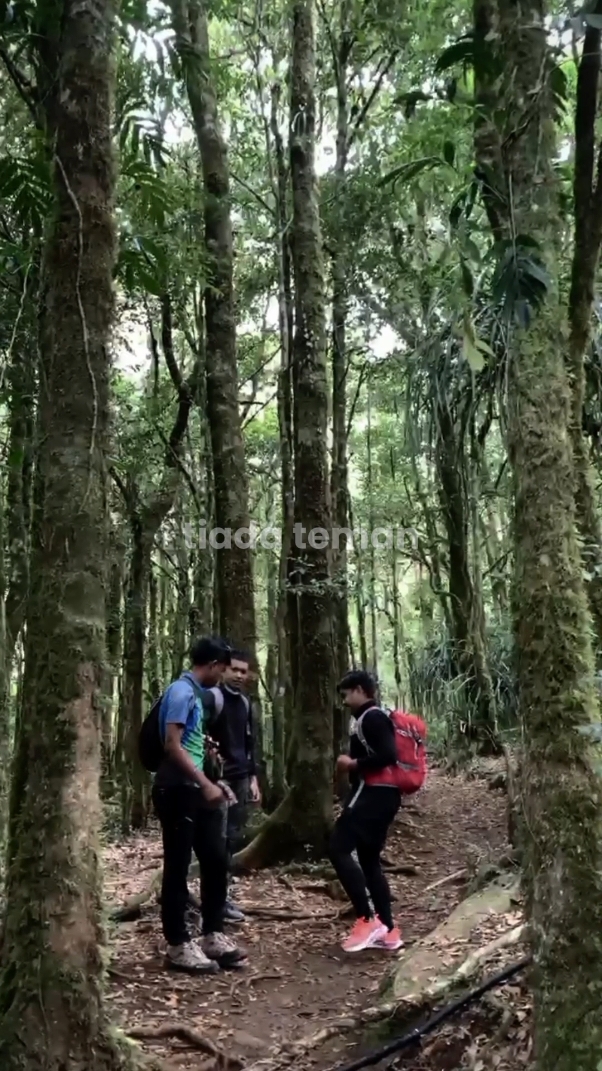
189, 827
237, 816
363, 827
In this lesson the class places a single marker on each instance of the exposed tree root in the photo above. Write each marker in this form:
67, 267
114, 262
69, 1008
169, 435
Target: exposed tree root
191, 1037
286, 916
132, 908
285, 835
400, 1011
449, 879
408, 869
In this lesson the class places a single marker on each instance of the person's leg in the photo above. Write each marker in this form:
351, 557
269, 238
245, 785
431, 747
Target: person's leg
175, 808
369, 859
210, 849
236, 820
343, 842
351, 877
382, 811
238, 814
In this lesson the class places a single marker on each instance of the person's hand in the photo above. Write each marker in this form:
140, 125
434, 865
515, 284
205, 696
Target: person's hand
213, 793
254, 790
345, 764
227, 792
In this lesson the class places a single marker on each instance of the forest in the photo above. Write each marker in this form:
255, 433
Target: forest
300, 346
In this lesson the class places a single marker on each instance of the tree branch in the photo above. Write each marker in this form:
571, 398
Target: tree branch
372, 97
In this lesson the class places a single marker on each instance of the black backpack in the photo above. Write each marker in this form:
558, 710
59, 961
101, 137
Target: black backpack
150, 745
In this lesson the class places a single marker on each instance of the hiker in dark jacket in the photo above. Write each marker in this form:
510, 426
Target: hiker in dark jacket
189, 807
230, 724
366, 817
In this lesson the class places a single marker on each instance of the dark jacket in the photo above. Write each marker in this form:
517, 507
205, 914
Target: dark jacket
229, 721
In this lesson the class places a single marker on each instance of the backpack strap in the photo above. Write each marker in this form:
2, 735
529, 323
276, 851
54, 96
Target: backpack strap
360, 731
218, 699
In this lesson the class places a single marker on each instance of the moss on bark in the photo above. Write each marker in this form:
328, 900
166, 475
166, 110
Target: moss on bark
561, 770
52, 1016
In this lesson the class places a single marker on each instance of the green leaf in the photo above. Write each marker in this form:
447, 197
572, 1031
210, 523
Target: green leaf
473, 355
460, 52
467, 279
409, 171
449, 152
470, 347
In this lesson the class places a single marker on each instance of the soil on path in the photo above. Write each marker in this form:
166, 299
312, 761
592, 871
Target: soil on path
297, 978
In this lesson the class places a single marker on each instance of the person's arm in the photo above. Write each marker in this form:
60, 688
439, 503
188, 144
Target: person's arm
252, 769
180, 701
379, 734
175, 752
254, 783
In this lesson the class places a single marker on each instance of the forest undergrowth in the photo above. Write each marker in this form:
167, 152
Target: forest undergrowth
297, 980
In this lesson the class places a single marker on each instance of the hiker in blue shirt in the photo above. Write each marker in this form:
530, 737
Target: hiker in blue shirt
190, 809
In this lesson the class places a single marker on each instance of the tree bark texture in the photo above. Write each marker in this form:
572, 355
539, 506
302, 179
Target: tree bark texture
561, 775
51, 1008
234, 570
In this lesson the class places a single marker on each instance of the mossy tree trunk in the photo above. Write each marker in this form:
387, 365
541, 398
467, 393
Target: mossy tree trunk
311, 785
339, 476
561, 774
302, 821
52, 1016
114, 603
145, 515
286, 611
467, 615
234, 567
587, 192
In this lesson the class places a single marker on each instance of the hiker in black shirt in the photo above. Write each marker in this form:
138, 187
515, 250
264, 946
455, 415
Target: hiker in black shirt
366, 817
230, 724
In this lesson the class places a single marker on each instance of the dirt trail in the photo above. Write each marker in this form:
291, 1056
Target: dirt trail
297, 978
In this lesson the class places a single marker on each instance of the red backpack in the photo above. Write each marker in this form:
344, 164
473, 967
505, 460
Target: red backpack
409, 773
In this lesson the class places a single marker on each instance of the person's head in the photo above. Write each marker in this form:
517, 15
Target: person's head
209, 657
357, 688
236, 672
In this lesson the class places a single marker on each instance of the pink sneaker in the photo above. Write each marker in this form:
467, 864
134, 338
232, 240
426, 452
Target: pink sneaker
364, 934
391, 940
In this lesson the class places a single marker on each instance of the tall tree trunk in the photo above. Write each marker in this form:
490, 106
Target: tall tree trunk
114, 648
145, 518
52, 1013
467, 612
276, 682
155, 686
339, 488
371, 550
587, 192
182, 605
303, 819
233, 563
561, 778
287, 631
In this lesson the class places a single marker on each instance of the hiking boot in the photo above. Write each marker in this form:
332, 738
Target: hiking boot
223, 951
232, 913
364, 934
391, 940
190, 959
